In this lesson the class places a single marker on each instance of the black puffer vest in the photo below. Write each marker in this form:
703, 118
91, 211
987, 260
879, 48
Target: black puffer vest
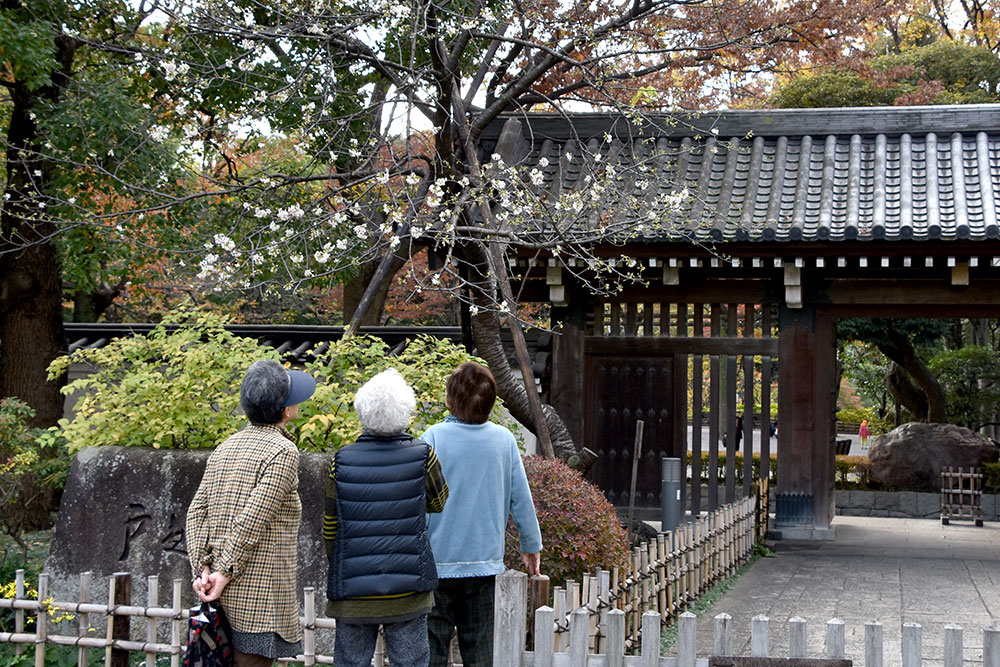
381, 548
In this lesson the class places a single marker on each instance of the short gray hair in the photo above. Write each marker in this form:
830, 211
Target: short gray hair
385, 404
263, 392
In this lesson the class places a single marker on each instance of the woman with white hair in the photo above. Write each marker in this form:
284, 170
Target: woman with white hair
242, 525
381, 567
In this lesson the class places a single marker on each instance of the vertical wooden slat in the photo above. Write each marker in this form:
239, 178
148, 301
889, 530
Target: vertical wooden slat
748, 412
796, 637
650, 649
83, 620
544, 636
873, 644
562, 610
713, 415
615, 319
599, 320
631, 318
511, 609
952, 645
647, 319
19, 613
680, 406
176, 624
723, 636
664, 319
152, 600
579, 623
730, 426
912, 648
309, 628
765, 398
121, 624
760, 641
835, 639
604, 579
991, 646
616, 638
41, 621
687, 639
697, 371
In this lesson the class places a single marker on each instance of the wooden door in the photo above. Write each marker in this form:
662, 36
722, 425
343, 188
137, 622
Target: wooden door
619, 391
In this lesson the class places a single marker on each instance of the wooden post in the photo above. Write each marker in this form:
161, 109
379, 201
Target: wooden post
760, 642
579, 625
509, 627
615, 647
120, 624
539, 598
636, 455
650, 651
991, 646
687, 639
873, 644
544, 636
796, 637
952, 645
835, 639
723, 638
912, 648
152, 600
83, 619
41, 621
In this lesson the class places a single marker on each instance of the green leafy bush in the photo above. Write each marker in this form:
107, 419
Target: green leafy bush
877, 425
852, 472
32, 472
581, 532
425, 363
991, 477
175, 388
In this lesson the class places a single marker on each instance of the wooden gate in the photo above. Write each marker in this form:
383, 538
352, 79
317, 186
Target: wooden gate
694, 373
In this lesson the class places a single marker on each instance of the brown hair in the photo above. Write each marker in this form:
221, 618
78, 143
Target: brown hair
471, 393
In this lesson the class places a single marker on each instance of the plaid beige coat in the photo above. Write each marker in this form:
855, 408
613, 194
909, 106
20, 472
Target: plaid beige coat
244, 520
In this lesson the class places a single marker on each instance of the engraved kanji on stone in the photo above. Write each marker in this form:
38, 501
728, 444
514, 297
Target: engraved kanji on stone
135, 525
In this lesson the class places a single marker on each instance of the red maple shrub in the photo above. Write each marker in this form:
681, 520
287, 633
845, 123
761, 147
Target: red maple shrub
581, 532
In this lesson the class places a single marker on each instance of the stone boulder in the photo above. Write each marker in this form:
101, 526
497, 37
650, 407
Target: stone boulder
911, 456
123, 510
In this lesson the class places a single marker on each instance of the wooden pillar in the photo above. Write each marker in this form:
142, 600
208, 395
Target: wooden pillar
807, 365
567, 389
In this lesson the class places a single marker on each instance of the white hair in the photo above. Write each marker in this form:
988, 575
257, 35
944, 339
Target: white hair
385, 404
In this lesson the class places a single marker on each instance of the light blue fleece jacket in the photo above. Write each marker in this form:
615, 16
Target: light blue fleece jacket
486, 483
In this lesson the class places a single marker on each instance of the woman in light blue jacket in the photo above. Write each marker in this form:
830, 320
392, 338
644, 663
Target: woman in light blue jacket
487, 485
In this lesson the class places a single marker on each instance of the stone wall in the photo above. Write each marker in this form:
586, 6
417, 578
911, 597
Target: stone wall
904, 504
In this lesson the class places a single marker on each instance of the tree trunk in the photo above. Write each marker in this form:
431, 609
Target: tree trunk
899, 349
89, 306
354, 291
31, 328
905, 392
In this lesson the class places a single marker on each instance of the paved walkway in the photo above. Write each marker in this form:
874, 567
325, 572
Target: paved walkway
890, 570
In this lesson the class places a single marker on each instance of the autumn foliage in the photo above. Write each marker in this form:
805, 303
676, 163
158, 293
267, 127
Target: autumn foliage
580, 529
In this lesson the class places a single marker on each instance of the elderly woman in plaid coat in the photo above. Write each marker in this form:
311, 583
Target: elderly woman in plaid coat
242, 525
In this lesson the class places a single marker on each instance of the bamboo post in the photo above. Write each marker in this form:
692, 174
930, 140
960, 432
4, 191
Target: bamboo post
662, 578
176, 624
635, 591
309, 627
604, 582
912, 648
760, 642
796, 637
561, 612
636, 455
723, 638
873, 644
544, 636
41, 620
835, 639
19, 613
152, 600
952, 645
593, 605
121, 623
83, 619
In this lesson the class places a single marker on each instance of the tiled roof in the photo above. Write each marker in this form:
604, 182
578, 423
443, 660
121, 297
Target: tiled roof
302, 343
878, 173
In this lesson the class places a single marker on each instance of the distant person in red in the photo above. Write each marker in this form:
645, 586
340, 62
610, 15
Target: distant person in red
864, 433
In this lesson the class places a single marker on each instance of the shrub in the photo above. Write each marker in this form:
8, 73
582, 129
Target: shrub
425, 363
174, 388
581, 532
991, 477
877, 425
33, 469
852, 472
